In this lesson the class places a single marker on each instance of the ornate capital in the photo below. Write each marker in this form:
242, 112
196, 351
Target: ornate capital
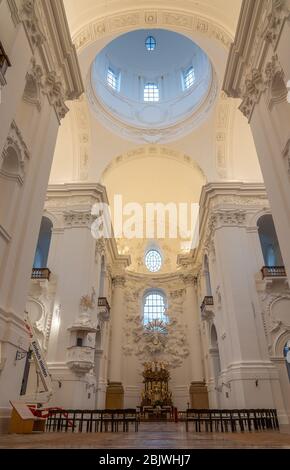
119, 281
189, 279
227, 218
177, 293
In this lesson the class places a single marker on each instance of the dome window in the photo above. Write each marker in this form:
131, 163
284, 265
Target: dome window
113, 79
188, 78
150, 43
151, 92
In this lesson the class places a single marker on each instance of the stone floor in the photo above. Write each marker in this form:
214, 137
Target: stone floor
150, 436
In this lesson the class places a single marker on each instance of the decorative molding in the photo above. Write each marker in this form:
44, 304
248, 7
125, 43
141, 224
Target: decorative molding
100, 247
28, 16
33, 85
52, 87
249, 71
17, 143
148, 134
48, 33
254, 87
150, 344
75, 219
172, 19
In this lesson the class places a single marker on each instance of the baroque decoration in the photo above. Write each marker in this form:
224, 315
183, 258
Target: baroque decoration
157, 341
156, 391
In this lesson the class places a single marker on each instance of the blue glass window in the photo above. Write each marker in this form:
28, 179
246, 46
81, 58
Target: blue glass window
150, 43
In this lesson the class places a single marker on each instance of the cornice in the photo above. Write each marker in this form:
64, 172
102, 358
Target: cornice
65, 190
226, 204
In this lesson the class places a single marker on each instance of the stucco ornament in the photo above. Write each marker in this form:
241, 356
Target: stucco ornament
158, 340
87, 305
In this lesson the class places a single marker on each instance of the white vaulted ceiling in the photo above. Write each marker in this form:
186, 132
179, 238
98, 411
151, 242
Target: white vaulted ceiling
221, 146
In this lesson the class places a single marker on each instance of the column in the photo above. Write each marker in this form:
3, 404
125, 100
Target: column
115, 390
249, 379
198, 390
257, 72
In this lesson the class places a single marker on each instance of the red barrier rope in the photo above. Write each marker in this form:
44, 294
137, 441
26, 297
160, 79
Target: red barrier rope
47, 412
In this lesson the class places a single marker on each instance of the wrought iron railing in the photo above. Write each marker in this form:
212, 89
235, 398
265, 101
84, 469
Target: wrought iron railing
273, 271
207, 301
40, 273
102, 302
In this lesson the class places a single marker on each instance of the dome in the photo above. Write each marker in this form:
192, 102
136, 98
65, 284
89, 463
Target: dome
152, 86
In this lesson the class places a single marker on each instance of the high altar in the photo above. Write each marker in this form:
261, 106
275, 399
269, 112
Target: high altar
156, 377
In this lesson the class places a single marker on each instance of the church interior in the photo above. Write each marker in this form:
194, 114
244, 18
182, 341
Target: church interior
145, 223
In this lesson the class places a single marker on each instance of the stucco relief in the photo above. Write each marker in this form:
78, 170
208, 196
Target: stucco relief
81, 116
275, 312
223, 122
173, 19
165, 343
16, 142
40, 307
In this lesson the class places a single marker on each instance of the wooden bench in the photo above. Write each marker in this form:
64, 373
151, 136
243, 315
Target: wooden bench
23, 420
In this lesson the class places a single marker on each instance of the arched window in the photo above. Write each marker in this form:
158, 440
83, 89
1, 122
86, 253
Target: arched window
150, 43
269, 242
154, 307
43, 244
287, 357
153, 261
151, 92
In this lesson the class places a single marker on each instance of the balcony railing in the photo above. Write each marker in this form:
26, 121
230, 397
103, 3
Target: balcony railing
102, 302
40, 273
207, 301
269, 272
103, 309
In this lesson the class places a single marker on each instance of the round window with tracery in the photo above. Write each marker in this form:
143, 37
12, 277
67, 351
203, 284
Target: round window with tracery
153, 261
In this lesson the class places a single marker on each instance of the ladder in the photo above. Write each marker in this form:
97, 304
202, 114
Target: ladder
41, 365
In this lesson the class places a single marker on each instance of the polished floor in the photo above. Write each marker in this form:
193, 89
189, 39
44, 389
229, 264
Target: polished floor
151, 436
